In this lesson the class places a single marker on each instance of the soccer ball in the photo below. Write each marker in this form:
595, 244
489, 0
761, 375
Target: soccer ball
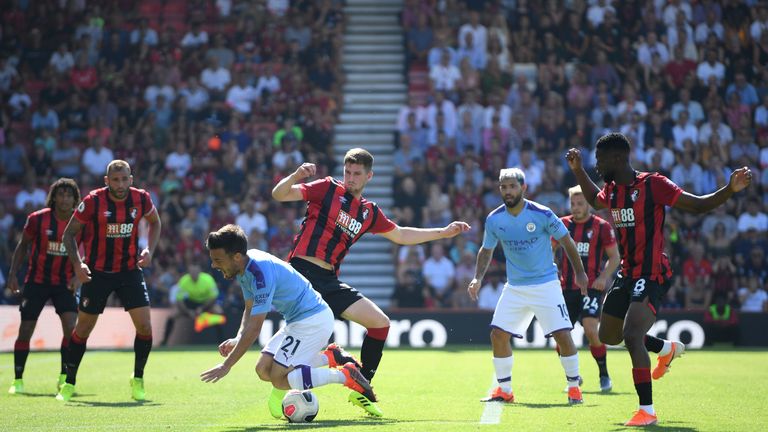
300, 406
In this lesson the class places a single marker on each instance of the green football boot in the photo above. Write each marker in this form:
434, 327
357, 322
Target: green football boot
275, 402
66, 392
137, 389
17, 387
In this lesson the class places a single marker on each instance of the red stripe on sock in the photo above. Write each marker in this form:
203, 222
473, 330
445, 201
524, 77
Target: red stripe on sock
641, 375
77, 339
144, 337
64, 342
378, 333
598, 351
21, 346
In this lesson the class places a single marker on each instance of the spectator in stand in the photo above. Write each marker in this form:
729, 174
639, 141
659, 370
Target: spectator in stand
697, 271
194, 38
241, 95
96, 158
251, 218
144, 34
710, 68
45, 118
439, 275
695, 112
215, 78
752, 297
753, 218
715, 126
419, 40
31, 197
444, 76
103, 110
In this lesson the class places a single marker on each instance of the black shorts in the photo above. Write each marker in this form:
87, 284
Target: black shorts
35, 297
580, 307
625, 291
337, 294
129, 286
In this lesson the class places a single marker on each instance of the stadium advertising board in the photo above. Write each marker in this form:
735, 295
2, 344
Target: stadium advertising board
409, 329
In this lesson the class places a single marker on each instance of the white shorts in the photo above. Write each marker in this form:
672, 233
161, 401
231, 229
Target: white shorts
298, 342
519, 304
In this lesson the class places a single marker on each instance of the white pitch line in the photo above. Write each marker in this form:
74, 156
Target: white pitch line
492, 411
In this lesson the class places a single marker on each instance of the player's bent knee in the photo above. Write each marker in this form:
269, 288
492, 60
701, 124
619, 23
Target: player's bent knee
500, 335
264, 372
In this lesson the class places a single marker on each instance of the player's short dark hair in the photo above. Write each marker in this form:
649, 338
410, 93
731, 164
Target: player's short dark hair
118, 165
62, 183
230, 237
359, 156
613, 142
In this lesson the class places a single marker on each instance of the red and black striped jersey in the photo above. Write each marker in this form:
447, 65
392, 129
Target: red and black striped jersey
592, 237
638, 215
111, 228
48, 262
335, 220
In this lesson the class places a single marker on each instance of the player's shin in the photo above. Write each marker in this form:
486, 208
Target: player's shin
372, 350
642, 379
306, 377
20, 354
75, 356
142, 345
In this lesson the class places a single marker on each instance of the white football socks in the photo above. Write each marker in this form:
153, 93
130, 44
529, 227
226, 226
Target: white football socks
503, 367
571, 367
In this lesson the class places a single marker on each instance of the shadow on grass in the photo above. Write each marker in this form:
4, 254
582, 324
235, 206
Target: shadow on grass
323, 424
664, 426
126, 404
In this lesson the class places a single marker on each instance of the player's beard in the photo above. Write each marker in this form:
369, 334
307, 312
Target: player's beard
512, 201
117, 194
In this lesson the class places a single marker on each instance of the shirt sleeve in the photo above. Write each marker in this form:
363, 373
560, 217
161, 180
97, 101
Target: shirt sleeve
146, 202
30, 227
607, 234
314, 191
382, 224
489, 237
664, 190
85, 210
262, 300
554, 226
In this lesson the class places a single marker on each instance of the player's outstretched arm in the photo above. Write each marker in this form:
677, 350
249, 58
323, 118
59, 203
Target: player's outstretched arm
481, 266
287, 190
740, 179
244, 342
411, 235
82, 272
19, 255
588, 187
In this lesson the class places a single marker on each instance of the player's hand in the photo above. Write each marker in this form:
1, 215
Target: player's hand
600, 283
73, 285
215, 373
13, 286
582, 281
574, 159
305, 170
83, 273
145, 258
227, 346
740, 179
455, 228
473, 288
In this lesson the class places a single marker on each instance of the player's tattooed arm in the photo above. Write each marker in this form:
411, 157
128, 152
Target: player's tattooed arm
483, 260
740, 179
82, 272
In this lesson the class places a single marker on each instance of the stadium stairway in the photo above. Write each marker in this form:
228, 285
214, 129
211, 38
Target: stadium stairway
374, 91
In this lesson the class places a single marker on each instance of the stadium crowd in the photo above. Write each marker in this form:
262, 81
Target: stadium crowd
516, 83
211, 102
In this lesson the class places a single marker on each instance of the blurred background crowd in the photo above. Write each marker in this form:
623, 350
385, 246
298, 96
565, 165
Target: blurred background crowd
213, 101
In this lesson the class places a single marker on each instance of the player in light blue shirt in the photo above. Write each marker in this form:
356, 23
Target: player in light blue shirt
296, 356
524, 228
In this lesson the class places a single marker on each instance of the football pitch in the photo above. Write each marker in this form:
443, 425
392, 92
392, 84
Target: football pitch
420, 390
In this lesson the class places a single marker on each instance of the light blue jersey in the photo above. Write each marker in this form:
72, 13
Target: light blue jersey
269, 281
526, 242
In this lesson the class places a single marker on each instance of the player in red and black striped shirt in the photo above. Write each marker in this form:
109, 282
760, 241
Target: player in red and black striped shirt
594, 240
337, 216
113, 261
49, 274
637, 203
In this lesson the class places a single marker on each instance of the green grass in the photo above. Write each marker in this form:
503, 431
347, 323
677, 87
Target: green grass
419, 391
